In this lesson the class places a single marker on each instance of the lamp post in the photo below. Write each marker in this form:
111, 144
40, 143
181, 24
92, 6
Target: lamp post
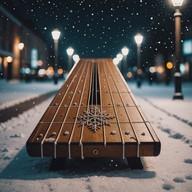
125, 52
177, 75
138, 39
21, 47
70, 52
56, 34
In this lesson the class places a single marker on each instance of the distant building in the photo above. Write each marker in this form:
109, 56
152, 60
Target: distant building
20, 48
186, 68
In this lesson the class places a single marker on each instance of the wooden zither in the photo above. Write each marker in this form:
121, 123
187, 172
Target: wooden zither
94, 114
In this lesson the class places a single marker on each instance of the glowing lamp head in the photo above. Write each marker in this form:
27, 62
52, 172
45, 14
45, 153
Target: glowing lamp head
21, 46
177, 3
70, 51
9, 59
56, 34
138, 39
116, 61
119, 56
125, 51
76, 58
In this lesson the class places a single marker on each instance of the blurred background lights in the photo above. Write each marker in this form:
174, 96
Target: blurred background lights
27, 71
60, 71
56, 34
129, 75
187, 47
41, 72
21, 46
160, 69
182, 69
70, 51
169, 65
76, 58
116, 61
139, 71
40, 63
152, 69
119, 56
50, 71
125, 51
9, 59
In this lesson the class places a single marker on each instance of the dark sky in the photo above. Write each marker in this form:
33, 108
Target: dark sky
100, 28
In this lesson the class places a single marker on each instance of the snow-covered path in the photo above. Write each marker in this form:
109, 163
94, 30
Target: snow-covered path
172, 170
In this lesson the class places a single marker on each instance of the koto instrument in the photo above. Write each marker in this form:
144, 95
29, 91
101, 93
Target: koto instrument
94, 114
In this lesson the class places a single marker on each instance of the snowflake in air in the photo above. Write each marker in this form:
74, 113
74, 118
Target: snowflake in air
94, 119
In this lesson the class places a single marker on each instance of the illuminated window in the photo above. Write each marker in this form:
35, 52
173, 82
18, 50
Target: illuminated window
187, 47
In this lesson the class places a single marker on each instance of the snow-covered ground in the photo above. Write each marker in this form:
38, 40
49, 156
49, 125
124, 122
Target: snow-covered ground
14, 92
170, 171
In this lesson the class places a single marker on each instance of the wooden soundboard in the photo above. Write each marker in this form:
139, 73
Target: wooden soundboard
94, 114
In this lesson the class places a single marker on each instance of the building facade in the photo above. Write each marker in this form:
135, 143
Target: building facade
20, 48
187, 55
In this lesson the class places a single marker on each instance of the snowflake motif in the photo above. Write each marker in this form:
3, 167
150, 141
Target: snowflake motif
94, 119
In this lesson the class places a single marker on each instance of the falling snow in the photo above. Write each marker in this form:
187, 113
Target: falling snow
71, 17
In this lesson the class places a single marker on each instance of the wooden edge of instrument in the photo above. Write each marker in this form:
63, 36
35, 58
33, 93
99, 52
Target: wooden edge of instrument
31, 147
34, 149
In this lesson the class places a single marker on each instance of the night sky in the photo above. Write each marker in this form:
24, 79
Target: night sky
100, 28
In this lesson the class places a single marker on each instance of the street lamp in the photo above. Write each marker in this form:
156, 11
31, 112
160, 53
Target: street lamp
125, 52
119, 56
116, 61
138, 39
9, 59
70, 52
21, 47
178, 81
76, 58
56, 34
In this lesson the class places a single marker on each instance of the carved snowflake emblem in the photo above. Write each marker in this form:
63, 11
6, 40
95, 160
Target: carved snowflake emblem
94, 119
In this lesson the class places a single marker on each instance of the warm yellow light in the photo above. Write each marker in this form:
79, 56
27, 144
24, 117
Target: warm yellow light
9, 59
139, 71
160, 69
41, 72
50, 71
129, 75
40, 62
169, 65
21, 46
50, 68
1, 59
60, 71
